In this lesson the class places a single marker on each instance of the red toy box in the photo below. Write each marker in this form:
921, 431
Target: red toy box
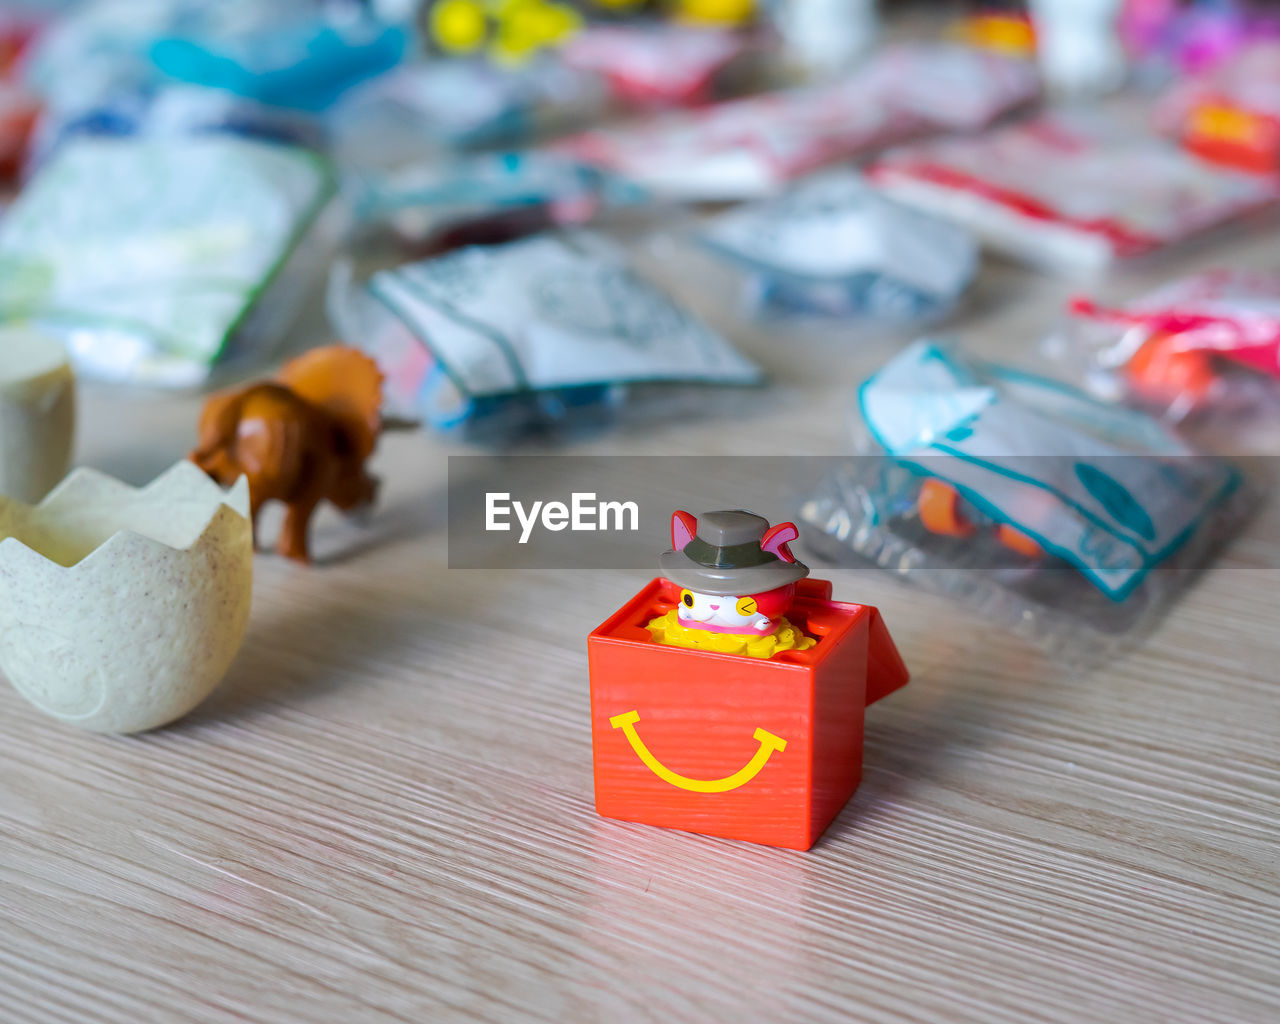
766, 750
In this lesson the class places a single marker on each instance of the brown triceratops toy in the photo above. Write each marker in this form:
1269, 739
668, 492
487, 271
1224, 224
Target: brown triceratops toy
300, 438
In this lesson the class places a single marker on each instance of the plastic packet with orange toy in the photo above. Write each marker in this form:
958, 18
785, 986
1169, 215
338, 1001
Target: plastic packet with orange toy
1206, 342
1037, 505
1231, 114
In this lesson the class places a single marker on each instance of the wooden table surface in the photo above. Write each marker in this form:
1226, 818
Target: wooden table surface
385, 813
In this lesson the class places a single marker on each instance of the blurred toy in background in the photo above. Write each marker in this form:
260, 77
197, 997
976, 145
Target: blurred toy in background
154, 259
834, 246
1051, 509
1075, 190
734, 644
738, 580
1212, 340
750, 147
1078, 45
1231, 115
459, 103
496, 341
505, 31
1002, 26
301, 438
1172, 37
663, 64
825, 37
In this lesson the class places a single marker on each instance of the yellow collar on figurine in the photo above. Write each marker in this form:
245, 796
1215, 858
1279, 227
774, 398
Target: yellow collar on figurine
666, 629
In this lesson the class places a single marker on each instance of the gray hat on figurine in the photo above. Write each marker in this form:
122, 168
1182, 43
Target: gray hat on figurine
731, 552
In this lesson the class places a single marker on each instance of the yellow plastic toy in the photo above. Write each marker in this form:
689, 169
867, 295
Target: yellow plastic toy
507, 31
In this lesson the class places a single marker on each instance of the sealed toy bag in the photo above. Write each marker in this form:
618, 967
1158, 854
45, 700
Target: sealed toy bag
172, 111
751, 147
546, 332
662, 64
1073, 190
460, 103
430, 203
1210, 342
1039, 507
835, 246
154, 260
1230, 115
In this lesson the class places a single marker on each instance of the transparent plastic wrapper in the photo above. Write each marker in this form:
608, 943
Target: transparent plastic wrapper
96, 50
1210, 342
547, 332
664, 64
1072, 191
1230, 115
298, 55
460, 103
422, 202
750, 147
172, 111
834, 246
1042, 508
154, 260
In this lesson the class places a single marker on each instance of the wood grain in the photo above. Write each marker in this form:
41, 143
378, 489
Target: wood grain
385, 813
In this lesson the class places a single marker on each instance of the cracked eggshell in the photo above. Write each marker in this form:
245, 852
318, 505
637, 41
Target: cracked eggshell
121, 608
37, 413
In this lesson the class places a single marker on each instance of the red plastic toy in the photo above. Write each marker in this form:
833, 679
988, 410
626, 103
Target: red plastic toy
761, 747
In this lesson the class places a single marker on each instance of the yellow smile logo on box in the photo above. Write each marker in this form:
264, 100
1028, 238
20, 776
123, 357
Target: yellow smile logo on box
767, 740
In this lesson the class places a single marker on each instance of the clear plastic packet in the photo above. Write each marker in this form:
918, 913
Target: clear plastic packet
1206, 342
1230, 115
460, 103
423, 201
1072, 191
948, 87
152, 260
663, 64
751, 147
172, 111
496, 341
96, 50
835, 246
1053, 513
297, 55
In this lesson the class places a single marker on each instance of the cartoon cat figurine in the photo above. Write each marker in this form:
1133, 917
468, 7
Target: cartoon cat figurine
738, 579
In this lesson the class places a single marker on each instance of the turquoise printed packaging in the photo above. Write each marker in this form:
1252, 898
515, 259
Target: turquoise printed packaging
497, 340
1030, 499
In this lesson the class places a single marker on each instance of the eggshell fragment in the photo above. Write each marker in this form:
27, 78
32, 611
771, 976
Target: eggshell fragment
121, 608
37, 413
